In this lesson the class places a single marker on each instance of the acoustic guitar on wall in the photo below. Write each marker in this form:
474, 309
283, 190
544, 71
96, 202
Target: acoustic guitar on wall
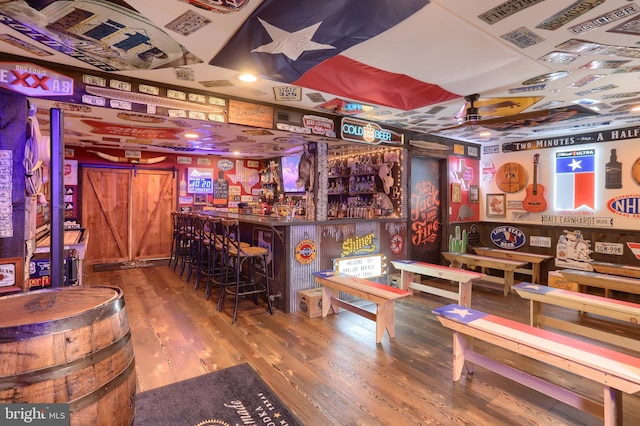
534, 199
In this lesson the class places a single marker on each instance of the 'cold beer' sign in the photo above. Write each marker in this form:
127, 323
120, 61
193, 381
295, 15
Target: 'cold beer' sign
361, 131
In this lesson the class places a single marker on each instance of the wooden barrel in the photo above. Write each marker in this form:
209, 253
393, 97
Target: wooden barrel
69, 345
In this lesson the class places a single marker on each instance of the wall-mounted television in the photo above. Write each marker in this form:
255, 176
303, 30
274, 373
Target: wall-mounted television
290, 175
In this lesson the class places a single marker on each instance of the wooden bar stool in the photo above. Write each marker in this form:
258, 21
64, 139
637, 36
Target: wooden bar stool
175, 238
187, 232
244, 269
181, 240
212, 250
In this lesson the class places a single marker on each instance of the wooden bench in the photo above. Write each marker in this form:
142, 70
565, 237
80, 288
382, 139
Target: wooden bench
508, 266
616, 269
382, 295
619, 310
410, 268
532, 258
606, 281
617, 372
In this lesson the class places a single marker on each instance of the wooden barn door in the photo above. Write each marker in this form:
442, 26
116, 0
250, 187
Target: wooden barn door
105, 214
152, 199
127, 214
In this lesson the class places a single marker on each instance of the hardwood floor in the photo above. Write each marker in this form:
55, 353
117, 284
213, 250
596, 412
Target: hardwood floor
330, 371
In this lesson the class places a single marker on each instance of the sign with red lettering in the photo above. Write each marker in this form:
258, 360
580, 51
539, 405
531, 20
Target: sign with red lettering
425, 214
102, 128
33, 80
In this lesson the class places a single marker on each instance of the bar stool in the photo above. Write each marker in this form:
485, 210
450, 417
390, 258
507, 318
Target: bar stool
175, 239
211, 255
187, 235
196, 248
242, 265
181, 246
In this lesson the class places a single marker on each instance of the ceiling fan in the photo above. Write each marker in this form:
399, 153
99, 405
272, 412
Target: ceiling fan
473, 119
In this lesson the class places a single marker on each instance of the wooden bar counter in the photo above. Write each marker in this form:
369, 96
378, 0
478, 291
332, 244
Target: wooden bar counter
299, 247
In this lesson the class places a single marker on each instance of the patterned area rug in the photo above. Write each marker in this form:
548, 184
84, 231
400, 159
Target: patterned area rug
233, 396
131, 264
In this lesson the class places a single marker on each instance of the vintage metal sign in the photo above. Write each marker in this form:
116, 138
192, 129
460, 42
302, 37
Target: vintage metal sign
605, 19
584, 221
580, 139
604, 247
625, 205
506, 9
569, 13
287, 93
522, 37
306, 251
362, 131
319, 125
508, 237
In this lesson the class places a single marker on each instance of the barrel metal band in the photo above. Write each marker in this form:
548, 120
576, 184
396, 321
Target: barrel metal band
97, 394
54, 372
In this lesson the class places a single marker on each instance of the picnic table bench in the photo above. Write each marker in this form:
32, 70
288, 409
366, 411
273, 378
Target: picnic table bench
410, 268
616, 269
532, 258
508, 266
619, 310
615, 371
607, 282
382, 295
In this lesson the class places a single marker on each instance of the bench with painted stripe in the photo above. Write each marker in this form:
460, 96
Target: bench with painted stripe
410, 268
615, 371
383, 296
605, 281
619, 310
508, 266
533, 259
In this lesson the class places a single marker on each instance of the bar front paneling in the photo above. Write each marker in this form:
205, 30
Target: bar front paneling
292, 263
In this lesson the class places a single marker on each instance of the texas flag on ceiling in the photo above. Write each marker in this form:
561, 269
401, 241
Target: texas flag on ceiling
301, 42
575, 179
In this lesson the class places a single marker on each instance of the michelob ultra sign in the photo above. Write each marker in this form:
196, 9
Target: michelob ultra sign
355, 130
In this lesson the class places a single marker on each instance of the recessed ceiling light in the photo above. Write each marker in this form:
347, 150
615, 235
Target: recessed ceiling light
247, 78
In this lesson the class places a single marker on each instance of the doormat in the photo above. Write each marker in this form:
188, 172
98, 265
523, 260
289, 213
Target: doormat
233, 396
130, 264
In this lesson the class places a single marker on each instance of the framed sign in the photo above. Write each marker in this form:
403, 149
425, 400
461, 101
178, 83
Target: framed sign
11, 272
496, 206
473, 194
456, 193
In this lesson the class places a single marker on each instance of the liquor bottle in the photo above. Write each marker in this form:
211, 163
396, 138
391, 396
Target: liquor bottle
613, 172
183, 185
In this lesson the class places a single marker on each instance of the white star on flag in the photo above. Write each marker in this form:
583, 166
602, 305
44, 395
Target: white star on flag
575, 164
292, 45
462, 312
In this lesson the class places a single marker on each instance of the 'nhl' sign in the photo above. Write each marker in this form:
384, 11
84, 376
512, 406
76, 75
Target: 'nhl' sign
361, 131
508, 237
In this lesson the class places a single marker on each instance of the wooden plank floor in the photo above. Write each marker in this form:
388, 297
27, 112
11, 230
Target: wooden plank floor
330, 371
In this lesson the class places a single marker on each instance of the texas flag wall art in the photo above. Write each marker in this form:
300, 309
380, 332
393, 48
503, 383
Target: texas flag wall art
302, 42
575, 180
